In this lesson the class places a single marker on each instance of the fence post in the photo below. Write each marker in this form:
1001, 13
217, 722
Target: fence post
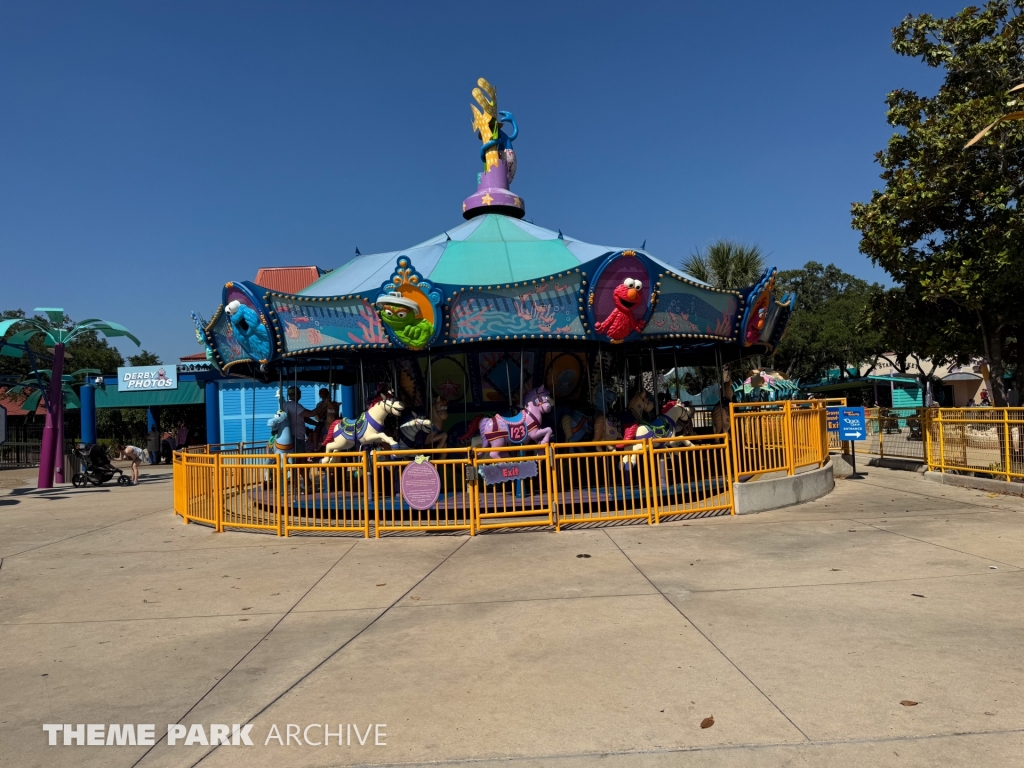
283, 492
552, 488
1006, 441
218, 494
881, 433
732, 443
787, 439
942, 443
651, 476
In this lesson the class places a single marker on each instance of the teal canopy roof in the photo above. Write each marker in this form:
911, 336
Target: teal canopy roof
485, 250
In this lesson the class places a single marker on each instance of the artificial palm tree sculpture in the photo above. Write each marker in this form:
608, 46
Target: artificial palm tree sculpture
69, 400
57, 336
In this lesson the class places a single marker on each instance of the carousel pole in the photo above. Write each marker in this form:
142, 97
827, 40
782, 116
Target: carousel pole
520, 378
252, 415
590, 380
675, 373
600, 374
362, 386
508, 383
654, 381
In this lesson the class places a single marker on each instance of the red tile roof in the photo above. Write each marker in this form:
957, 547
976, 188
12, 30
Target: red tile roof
287, 279
197, 357
13, 402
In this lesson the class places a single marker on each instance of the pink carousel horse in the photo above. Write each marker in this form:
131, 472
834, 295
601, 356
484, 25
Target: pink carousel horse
522, 428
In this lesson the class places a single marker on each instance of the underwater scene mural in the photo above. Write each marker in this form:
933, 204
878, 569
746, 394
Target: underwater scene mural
686, 308
550, 307
309, 324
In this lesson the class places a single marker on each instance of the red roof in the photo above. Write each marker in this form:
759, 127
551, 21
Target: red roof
13, 402
287, 279
197, 357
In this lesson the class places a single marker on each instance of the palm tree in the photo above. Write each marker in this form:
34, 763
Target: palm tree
725, 264
57, 335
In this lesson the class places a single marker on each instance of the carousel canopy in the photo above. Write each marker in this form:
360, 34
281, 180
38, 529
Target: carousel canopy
494, 278
488, 249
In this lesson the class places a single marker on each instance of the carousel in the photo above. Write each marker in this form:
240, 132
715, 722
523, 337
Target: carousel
495, 335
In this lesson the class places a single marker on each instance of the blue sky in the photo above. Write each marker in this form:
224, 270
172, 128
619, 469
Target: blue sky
153, 151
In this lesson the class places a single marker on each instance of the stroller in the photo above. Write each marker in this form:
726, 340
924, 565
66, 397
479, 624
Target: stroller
96, 466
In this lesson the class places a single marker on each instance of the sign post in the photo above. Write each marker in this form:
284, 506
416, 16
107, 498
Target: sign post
3, 425
851, 425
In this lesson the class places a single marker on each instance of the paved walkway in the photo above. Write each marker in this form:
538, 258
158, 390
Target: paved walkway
800, 631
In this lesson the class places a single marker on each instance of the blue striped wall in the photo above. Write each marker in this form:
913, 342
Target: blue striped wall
245, 407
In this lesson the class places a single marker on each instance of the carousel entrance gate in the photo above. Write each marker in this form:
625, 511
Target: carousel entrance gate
691, 476
439, 492
323, 497
515, 488
200, 495
600, 481
251, 491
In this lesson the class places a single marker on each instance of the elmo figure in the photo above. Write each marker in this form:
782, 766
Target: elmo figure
620, 321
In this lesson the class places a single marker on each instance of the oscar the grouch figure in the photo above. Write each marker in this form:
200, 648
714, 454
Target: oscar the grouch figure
403, 317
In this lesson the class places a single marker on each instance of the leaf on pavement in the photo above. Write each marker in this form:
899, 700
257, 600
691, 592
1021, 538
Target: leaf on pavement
707, 722
908, 703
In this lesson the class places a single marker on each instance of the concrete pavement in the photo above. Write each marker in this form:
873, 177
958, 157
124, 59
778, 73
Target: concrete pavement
800, 631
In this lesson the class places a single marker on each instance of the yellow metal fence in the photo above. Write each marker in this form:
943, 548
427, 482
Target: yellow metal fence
240, 486
785, 436
983, 441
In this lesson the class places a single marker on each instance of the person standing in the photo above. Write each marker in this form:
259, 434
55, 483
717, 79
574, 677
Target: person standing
298, 416
182, 434
326, 413
153, 445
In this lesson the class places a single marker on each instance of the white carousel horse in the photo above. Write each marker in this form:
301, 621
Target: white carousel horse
346, 434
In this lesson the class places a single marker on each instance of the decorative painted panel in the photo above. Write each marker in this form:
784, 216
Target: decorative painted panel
307, 324
684, 308
549, 308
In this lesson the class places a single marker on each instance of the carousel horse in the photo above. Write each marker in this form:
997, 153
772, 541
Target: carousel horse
345, 434
415, 432
428, 433
577, 427
524, 427
281, 439
665, 425
438, 438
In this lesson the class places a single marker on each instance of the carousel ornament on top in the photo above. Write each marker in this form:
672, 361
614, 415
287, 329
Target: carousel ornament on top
492, 194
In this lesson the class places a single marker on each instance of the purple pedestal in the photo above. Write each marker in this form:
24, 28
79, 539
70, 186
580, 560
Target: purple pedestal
48, 449
493, 196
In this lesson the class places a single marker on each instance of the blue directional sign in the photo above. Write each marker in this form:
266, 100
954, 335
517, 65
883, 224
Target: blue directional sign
852, 424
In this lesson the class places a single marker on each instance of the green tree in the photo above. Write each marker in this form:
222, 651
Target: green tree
825, 331
910, 331
144, 358
949, 224
725, 264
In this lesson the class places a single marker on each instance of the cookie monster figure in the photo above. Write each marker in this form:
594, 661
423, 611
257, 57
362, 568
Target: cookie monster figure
250, 332
403, 317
